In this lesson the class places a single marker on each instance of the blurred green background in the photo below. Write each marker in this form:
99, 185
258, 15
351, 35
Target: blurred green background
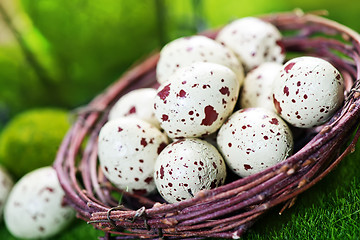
62, 53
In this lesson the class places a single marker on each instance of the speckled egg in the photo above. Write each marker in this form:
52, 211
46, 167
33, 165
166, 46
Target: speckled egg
196, 100
187, 166
308, 91
35, 207
6, 184
253, 40
257, 89
136, 104
185, 51
254, 139
127, 151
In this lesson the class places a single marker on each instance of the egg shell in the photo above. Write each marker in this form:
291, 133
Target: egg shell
186, 167
35, 207
187, 50
253, 41
254, 139
308, 91
136, 104
196, 100
257, 90
6, 184
127, 150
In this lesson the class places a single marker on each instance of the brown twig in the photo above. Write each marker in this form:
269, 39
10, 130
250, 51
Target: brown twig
227, 211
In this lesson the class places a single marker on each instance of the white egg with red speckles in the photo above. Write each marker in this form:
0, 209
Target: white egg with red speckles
35, 208
186, 167
196, 100
184, 51
253, 41
254, 139
127, 150
136, 104
308, 91
257, 90
6, 184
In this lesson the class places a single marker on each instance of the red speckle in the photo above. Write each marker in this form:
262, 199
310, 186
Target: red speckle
170, 184
247, 167
143, 142
206, 86
191, 112
136, 179
225, 91
214, 165
274, 121
286, 91
195, 85
148, 180
131, 111
119, 129
210, 116
229, 144
161, 147
323, 109
266, 137
164, 117
164, 92
277, 105
298, 83
106, 169
213, 184
49, 189
288, 67
305, 96
181, 94
281, 45
161, 172
338, 77
243, 127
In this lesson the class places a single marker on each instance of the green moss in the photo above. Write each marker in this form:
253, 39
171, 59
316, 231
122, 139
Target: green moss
31, 140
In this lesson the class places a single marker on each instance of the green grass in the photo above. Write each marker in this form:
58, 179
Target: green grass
78, 230
329, 210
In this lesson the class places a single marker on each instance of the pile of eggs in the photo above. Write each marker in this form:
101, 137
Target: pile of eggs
228, 103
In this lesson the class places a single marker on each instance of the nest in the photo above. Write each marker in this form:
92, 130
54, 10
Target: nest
227, 211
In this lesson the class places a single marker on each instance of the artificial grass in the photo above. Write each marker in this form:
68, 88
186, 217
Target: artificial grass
329, 210
78, 230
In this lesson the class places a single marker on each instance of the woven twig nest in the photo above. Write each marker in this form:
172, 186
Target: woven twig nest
227, 211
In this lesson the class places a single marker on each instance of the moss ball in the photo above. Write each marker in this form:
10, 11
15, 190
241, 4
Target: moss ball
31, 140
